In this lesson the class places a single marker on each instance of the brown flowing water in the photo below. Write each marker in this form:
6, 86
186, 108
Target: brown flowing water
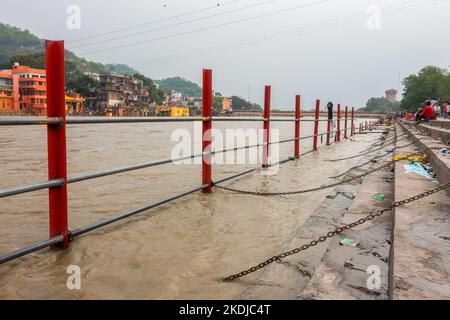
177, 251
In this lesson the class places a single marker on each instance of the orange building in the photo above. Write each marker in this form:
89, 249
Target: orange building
32, 89
9, 92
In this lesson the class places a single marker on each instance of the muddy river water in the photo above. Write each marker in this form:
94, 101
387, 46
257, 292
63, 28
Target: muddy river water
178, 251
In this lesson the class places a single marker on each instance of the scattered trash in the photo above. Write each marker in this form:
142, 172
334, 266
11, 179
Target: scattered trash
444, 152
388, 240
349, 264
365, 290
347, 195
418, 158
376, 254
348, 242
419, 168
379, 196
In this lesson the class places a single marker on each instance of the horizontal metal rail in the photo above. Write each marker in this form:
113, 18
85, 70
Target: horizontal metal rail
30, 249
31, 187
89, 176
14, 121
22, 121
132, 212
77, 232
94, 120
91, 227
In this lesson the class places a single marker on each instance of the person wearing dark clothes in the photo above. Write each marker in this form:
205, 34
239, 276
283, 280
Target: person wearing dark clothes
330, 117
330, 110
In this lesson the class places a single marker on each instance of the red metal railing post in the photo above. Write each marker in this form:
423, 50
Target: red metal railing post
338, 135
56, 138
345, 122
266, 131
316, 125
207, 129
297, 126
352, 131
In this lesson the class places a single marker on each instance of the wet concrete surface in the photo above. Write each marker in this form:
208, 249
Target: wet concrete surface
333, 280
421, 247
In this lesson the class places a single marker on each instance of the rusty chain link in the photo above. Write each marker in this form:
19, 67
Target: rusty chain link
287, 193
338, 230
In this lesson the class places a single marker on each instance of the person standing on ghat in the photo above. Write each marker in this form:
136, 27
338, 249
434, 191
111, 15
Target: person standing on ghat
330, 116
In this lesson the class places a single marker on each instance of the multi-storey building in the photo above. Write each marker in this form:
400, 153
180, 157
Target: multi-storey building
9, 92
32, 89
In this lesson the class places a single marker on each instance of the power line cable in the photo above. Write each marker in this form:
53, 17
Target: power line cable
291, 33
173, 25
208, 28
155, 21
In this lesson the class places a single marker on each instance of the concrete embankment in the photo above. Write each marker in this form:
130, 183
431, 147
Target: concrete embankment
420, 257
407, 247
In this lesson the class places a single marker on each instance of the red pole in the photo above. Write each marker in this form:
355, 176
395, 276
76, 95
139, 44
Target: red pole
345, 122
297, 127
338, 134
266, 132
352, 131
207, 128
316, 125
56, 138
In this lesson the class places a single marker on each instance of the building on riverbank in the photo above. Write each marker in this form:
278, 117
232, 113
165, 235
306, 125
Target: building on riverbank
9, 93
23, 91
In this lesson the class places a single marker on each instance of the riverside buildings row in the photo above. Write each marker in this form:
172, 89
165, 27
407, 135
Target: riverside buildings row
23, 92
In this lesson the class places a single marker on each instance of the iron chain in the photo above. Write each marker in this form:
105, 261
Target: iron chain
338, 230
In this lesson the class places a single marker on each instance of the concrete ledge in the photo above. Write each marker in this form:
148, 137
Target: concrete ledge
441, 134
332, 279
441, 123
420, 252
440, 163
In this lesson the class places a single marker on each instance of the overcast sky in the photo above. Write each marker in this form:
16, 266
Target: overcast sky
330, 50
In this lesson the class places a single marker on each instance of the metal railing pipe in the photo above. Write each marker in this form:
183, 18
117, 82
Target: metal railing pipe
32, 248
23, 121
129, 213
31, 187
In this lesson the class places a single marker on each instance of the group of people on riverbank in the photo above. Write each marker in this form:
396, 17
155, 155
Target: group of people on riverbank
431, 109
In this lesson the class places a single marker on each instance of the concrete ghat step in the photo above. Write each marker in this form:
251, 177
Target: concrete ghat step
442, 134
420, 255
441, 123
332, 279
285, 281
439, 162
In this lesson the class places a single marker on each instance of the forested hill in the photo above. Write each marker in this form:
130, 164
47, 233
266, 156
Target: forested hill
181, 85
17, 45
14, 40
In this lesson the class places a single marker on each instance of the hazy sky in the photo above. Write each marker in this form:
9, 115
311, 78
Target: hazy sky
330, 50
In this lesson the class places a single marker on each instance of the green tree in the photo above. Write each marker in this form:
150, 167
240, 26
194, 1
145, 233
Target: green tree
81, 83
217, 104
156, 95
185, 87
381, 105
240, 104
430, 82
